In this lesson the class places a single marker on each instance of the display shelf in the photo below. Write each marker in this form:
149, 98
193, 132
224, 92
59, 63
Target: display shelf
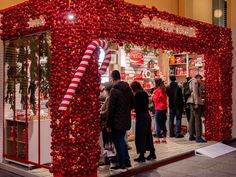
174, 64
179, 75
178, 66
147, 79
23, 146
10, 159
195, 67
185, 65
22, 142
10, 139
11, 148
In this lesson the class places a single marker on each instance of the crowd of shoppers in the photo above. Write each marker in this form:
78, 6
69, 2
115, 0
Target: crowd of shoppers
122, 98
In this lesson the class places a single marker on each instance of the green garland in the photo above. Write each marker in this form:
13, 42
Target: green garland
10, 60
17, 69
45, 69
145, 50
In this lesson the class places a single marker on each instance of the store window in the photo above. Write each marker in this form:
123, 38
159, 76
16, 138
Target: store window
219, 15
105, 76
27, 132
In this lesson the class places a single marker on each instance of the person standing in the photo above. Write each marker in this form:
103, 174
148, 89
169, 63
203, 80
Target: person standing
196, 109
187, 94
119, 117
106, 136
176, 103
143, 132
160, 101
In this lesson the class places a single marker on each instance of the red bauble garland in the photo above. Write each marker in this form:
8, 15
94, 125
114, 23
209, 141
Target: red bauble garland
75, 148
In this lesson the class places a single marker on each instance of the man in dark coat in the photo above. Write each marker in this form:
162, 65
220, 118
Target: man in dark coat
176, 103
119, 117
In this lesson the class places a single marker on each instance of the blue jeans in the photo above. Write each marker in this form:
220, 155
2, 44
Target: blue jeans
121, 147
160, 120
178, 113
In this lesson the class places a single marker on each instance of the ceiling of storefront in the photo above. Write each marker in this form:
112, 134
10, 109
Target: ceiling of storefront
8, 3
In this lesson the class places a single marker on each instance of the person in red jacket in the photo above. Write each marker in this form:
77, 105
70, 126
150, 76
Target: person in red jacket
160, 101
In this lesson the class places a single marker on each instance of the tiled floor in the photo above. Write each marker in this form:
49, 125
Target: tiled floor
172, 148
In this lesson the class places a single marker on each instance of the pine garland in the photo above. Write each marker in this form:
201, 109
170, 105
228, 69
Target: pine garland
45, 69
10, 60
17, 68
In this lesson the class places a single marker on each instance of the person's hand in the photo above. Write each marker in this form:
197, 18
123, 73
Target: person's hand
195, 106
108, 130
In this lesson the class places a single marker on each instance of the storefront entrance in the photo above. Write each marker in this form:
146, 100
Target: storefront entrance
73, 25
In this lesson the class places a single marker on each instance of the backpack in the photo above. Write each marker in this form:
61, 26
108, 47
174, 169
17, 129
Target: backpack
187, 91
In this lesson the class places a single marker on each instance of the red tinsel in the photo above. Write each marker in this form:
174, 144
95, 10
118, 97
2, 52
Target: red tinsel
75, 148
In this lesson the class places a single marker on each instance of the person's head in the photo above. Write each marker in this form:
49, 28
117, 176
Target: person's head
188, 78
107, 89
172, 78
115, 75
158, 82
199, 77
136, 86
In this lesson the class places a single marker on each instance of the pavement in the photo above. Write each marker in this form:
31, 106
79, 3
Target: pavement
4, 173
198, 166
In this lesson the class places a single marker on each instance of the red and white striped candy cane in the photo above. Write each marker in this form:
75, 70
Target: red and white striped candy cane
82, 68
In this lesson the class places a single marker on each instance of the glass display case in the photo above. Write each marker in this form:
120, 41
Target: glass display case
27, 120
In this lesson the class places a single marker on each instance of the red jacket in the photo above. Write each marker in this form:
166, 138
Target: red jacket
159, 99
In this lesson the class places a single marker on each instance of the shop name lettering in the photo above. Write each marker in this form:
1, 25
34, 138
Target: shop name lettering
168, 26
36, 22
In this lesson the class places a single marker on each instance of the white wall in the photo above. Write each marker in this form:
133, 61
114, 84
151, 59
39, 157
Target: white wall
234, 84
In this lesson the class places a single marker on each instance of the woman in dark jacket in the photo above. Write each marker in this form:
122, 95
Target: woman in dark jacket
143, 133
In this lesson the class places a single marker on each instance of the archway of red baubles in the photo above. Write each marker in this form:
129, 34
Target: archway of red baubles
75, 148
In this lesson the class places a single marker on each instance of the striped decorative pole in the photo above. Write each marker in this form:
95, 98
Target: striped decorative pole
68, 3
82, 68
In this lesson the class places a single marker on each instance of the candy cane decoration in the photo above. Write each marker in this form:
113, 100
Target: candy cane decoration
82, 68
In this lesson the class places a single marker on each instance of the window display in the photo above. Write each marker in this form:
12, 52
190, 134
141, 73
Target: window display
26, 111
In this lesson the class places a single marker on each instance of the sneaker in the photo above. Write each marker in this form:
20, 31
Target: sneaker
200, 140
192, 138
179, 136
157, 141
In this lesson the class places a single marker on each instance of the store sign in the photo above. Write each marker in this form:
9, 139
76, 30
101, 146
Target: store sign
167, 26
136, 57
33, 23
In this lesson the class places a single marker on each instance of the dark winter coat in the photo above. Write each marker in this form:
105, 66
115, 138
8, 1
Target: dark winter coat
141, 102
143, 132
120, 106
174, 92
